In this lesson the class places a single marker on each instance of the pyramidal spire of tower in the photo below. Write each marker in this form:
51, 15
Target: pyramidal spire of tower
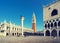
33, 14
34, 17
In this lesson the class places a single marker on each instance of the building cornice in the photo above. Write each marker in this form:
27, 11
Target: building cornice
51, 3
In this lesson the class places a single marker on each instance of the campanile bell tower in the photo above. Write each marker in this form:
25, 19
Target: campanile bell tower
34, 22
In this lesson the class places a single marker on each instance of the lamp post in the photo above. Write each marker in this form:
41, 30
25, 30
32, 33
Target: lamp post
22, 23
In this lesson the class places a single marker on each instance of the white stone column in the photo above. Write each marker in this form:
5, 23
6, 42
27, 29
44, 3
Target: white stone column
50, 25
44, 32
5, 25
47, 25
57, 33
22, 19
44, 25
50, 33
53, 25
10, 28
44, 29
57, 24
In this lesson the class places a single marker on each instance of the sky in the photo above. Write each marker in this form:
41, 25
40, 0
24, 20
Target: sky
12, 10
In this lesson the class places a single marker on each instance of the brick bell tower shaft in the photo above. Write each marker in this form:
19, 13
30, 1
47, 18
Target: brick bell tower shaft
34, 22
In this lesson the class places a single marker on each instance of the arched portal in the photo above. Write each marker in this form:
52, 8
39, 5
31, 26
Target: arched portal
59, 33
47, 33
54, 33
59, 23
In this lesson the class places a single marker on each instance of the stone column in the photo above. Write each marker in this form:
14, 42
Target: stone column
44, 33
50, 32
57, 24
57, 33
10, 28
44, 29
5, 25
50, 25
44, 26
47, 25
22, 19
53, 25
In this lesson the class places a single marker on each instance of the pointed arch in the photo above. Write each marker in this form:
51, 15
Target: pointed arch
54, 33
47, 33
59, 23
55, 24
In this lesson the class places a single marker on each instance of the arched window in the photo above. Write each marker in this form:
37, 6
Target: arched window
48, 26
13, 28
52, 25
45, 26
7, 34
54, 12
57, 19
55, 24
8, 27
17, 33
13, 34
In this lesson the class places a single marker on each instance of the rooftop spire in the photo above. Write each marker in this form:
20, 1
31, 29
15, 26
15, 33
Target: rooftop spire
33, 14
